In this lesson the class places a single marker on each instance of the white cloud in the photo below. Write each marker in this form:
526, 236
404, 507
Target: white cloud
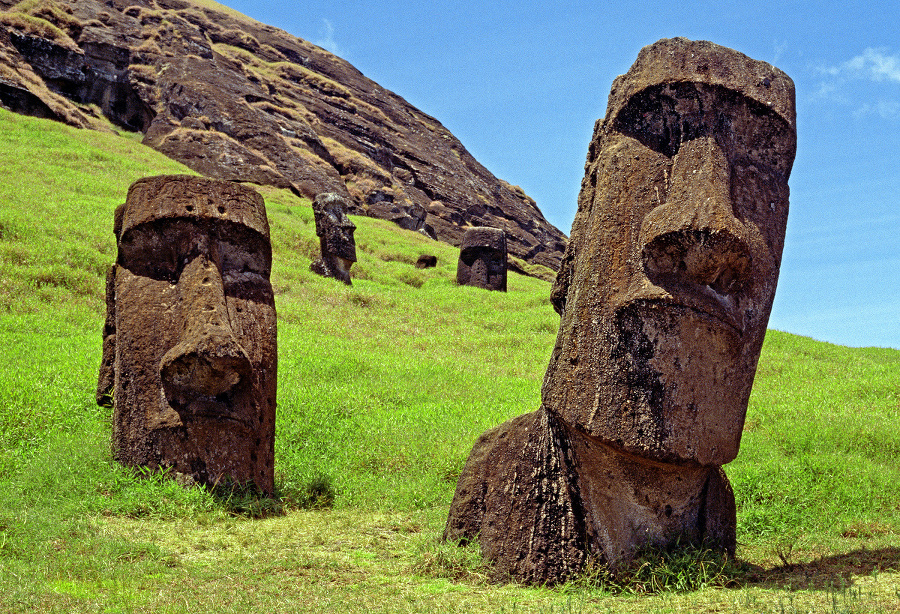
876, 66
873, 64
826, 89
882, 66
326, 32
778, 51
886, 109
889, 108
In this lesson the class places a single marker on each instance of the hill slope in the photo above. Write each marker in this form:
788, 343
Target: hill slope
383, 387
235, 99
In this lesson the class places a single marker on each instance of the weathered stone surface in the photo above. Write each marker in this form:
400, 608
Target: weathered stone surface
335, 232
189, 351
426, 261
665, 291
483, 259
542, 499
235, 99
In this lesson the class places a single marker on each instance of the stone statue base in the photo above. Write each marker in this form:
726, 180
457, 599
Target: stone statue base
542, 499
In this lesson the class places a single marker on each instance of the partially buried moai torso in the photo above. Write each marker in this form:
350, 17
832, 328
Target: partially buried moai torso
336, 241
190, 354
483, 259
664, 293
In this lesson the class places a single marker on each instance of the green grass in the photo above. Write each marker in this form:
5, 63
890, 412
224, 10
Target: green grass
383, 388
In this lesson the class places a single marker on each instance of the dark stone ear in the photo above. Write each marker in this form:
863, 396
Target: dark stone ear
560, 289
563, 279
118, 216
107, 377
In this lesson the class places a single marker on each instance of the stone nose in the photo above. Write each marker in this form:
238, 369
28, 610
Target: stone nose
695, 236
208, 360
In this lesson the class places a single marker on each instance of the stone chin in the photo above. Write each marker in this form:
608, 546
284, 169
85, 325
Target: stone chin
681, 378
668, 377
345, 253
343, 264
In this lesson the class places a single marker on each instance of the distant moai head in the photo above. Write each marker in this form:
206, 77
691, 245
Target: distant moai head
667, 283
482, 259
426, 261
335, 231
190, 354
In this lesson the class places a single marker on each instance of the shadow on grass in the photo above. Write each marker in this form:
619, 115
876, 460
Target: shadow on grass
827, 573
316, 493
246, 501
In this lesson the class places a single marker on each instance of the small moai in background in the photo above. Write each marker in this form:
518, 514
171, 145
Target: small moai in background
426, 261
335, 232
664, 292
483, 259
190, 350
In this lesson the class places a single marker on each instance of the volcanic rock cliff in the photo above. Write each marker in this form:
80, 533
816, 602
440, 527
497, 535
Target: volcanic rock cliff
235, 99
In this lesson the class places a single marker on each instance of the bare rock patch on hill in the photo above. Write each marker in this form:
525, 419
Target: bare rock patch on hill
235, 99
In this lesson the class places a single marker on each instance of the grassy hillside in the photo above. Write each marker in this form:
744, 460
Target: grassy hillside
383, 388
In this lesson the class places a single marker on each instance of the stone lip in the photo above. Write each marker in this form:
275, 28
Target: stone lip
234, 99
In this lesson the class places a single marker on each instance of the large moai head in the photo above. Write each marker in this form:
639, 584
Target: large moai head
667, 283
483, 259
335, 231
190, 352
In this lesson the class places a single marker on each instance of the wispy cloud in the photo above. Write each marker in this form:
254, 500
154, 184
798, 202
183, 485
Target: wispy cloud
876, 66
883, 108
326, 39
873, 64
778, 51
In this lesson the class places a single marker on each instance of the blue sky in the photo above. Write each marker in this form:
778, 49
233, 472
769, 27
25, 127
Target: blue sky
521, 84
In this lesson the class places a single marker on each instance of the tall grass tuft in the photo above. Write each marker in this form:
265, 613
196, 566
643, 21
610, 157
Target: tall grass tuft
656, 570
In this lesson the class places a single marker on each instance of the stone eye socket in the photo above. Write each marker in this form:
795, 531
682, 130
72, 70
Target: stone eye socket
662, 119
150, 254
471, 254
162, 248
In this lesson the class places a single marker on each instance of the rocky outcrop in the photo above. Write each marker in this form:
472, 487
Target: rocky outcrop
235, 99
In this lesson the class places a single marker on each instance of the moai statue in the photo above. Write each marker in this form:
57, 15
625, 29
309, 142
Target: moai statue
426, 261
664, 291
482, 259
189, 350
335, 231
